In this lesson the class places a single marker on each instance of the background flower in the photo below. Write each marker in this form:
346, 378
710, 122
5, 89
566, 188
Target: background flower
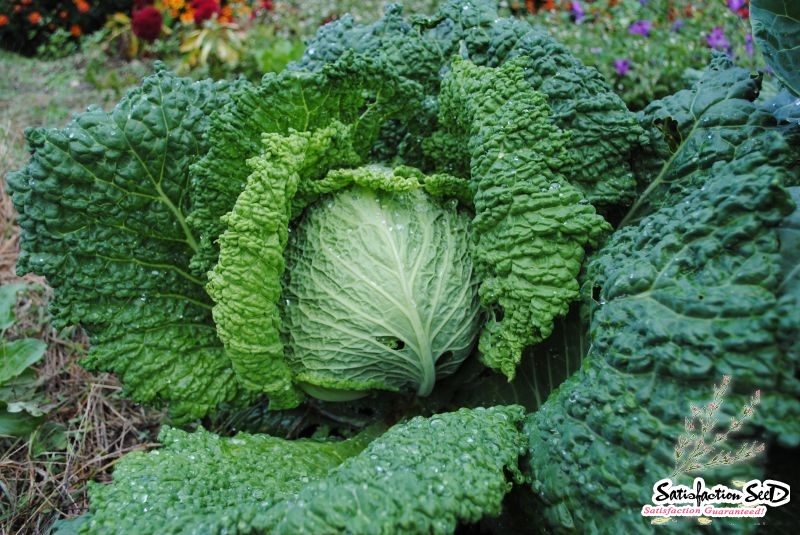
641, 27
736, 5
578, 12
716, 39
204, 9
146, 23
666, 43
28, 25
622, 66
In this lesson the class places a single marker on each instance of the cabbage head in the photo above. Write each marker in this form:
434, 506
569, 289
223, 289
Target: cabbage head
379, 293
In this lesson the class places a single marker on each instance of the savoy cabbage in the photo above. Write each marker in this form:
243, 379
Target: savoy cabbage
416, 206
388, 276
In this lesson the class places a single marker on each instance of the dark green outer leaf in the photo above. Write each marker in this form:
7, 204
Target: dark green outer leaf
789, 233
789, 289
693, 130
102, 206
785, 106
683, 298
776, 32
687, 295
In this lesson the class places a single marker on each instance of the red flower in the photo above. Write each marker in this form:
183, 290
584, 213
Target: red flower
204, 9
82, 5
146, 23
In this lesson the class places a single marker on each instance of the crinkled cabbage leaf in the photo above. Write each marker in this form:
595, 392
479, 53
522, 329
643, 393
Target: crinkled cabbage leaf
776, 32
688, 293
380, 292
425, 475
103, 206
531, 224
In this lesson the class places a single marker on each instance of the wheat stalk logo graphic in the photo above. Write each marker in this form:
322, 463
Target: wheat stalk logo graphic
694, 447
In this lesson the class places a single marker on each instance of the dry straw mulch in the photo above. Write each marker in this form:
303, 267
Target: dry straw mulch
43, 478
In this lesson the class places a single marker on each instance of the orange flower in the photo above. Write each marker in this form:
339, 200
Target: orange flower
226, 15
75, 30
82, 5
63, 14
35, 17
3, 19
25, 2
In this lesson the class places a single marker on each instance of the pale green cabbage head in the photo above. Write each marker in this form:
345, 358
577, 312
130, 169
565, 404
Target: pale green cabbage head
379, 294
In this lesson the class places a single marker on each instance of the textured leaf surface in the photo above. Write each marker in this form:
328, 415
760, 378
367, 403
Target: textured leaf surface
102, 206
198, 481
421, 48
785, 106
776, 32
354, 91
380, 292
695, 129
422, 476
789, 289
246, 282
531, 225
688, 294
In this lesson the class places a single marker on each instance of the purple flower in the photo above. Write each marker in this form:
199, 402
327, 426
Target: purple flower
716, 39
641, 27
736, 5
622, 66
578, 12
748, 44
677, 25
